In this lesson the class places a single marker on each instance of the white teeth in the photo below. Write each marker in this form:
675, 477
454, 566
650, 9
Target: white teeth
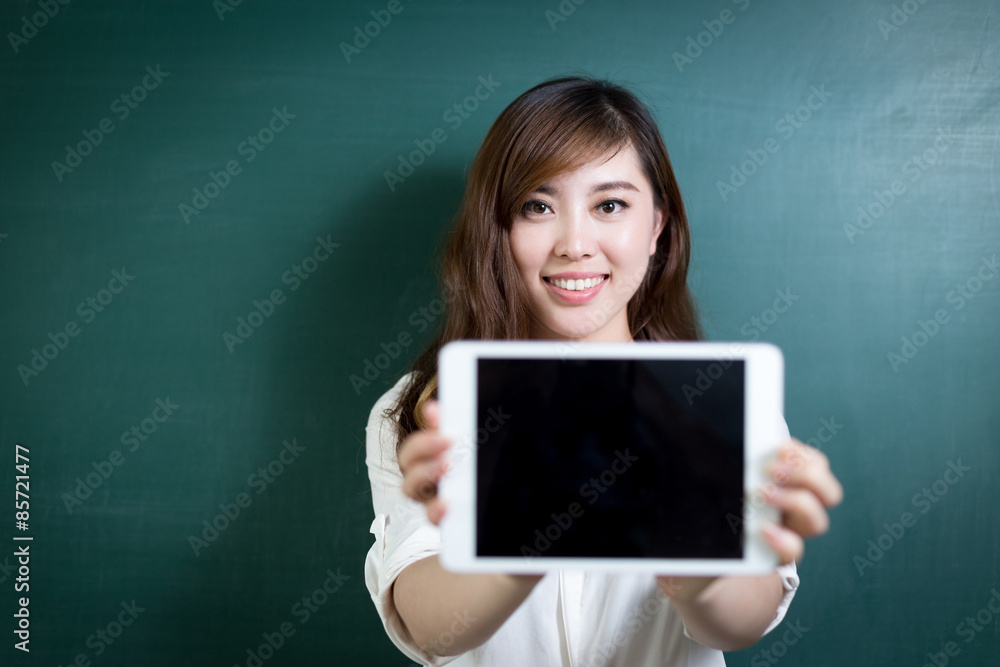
578, 284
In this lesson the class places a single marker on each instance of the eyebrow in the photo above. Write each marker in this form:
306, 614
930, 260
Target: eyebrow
603, 187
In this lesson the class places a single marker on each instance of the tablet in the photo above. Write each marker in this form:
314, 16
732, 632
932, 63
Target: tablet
643, 456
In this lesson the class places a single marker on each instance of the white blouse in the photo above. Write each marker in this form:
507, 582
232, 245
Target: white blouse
571, 618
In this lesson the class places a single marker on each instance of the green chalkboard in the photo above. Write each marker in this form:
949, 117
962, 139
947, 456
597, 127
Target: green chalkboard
210, 220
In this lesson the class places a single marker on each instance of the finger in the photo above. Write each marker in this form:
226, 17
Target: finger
420, 483
815, 477
807, 467
802, 510
431, 412
787, 544
420, 447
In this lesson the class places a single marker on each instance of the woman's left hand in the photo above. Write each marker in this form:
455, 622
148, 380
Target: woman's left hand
803, 488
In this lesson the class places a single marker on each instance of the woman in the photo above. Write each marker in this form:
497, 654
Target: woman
571, 228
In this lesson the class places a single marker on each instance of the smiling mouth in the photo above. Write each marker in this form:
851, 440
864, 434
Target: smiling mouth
578, 284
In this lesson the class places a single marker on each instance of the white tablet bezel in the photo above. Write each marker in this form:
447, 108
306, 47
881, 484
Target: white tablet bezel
763, 431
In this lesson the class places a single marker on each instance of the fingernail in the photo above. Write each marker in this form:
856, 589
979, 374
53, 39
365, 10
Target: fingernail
782, 471
772, 531
774, 493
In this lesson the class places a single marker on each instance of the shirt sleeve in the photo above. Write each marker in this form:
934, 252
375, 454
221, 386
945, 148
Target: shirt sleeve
403, 533
790, 582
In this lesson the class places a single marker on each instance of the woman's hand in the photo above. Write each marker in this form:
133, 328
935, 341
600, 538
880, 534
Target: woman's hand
422, 462
803, 488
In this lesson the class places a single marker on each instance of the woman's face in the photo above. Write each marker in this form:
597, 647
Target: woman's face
597, 223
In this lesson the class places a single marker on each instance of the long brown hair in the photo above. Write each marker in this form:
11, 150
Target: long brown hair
553, 128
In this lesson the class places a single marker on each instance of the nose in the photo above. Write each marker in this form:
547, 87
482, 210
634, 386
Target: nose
577, 236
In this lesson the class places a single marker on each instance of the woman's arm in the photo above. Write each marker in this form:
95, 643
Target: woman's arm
725, 613
448, 613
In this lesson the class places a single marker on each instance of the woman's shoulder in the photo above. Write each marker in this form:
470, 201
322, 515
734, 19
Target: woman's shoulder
381, 437
396, 390
388, 400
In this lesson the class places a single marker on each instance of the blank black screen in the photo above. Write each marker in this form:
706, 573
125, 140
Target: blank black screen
610, 458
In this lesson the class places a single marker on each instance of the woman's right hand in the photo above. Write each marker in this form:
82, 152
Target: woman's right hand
422, 462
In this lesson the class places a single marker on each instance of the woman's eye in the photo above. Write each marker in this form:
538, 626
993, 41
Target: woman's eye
536, 207
612, 206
